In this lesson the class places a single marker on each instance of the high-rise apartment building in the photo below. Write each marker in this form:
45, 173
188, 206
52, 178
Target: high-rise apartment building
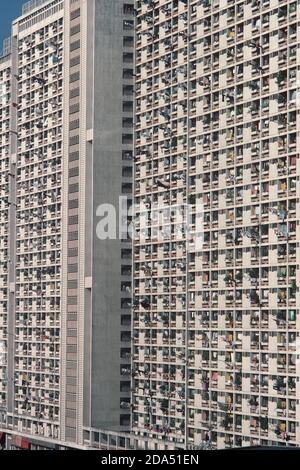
216, 327
66, 108
7, 141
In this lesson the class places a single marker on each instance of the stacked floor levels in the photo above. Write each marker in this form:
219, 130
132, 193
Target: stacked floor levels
216, 323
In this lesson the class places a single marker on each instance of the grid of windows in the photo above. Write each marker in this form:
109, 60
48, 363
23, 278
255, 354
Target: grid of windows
5, 180
38, 235
216, 328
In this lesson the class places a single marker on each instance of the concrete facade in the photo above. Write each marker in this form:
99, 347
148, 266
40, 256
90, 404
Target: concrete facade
216, 328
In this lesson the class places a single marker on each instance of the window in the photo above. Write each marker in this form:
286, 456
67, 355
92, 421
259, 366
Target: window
125, 387
75, 14
75, 61
128, 9
125, 420
74, 77
75, 30
128, 41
